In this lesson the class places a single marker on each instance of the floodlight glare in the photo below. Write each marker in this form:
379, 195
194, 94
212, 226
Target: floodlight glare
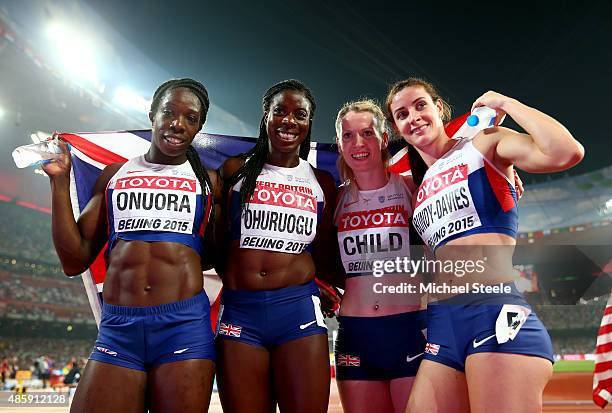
129, 99
74, 52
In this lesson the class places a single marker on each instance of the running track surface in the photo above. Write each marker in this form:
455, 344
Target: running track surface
566, 393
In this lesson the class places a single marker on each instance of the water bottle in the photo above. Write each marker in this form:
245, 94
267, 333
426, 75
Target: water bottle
482, 117
37, 153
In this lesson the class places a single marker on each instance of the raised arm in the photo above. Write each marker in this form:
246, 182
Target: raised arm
546, 147
77, 243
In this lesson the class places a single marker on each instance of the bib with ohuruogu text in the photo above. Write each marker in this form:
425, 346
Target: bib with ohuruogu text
282, 214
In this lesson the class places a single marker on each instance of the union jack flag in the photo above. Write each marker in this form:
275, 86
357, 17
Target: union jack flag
91, 152
348, 360
432, 349
602, 375
230, 330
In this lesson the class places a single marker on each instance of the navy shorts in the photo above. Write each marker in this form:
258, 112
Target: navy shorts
466, 324
272, 317
141, 337
380, 348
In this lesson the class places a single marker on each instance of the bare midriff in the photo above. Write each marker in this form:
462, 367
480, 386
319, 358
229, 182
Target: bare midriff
491, 252
257, 270
141, 274
369, 296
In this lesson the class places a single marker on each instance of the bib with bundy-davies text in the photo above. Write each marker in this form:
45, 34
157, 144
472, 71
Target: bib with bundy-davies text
462, 193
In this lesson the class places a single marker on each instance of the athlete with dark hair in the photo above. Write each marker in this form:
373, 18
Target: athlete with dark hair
155, 347
271, 337
482, 335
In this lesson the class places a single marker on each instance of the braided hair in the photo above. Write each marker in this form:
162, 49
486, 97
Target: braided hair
194, 86
257, 156
200, 91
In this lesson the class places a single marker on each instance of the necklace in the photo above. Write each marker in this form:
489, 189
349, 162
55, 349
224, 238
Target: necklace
364, 199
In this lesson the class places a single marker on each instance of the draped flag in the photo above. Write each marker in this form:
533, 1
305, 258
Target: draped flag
91, 152
602, 376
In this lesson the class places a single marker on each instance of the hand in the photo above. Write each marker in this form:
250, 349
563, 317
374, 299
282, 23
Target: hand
518, 185
330, 299
495, 101
330, 303
59, 167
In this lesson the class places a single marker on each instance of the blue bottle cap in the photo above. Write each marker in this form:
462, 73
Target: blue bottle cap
472, 120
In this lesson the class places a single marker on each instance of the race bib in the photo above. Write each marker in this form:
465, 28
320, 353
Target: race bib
154, 203
444, 205
280, 218
377, 234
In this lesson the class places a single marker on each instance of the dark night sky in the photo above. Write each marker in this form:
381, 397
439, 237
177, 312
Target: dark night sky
552, 56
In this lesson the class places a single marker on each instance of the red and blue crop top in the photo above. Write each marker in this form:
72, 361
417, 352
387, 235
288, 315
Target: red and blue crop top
462, 194
156, 202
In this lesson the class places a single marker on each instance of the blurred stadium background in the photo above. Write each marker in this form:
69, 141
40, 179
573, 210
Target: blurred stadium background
46, 325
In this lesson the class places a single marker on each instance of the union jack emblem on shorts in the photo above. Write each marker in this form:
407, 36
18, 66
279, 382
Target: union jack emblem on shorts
432, 349
230, 330
348, 360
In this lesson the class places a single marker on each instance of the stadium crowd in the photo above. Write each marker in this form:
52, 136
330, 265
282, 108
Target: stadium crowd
567, 317
33, 289
49, 361
563, 346
17, 287
26, 234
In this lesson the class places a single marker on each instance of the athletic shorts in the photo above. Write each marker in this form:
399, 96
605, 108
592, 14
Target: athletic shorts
272, 317
484, 323
141, 337
380, 348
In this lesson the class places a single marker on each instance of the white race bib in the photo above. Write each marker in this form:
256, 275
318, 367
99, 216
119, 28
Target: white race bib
444, 204
154, 203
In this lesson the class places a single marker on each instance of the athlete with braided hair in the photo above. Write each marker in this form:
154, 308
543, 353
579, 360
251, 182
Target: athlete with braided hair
155, 347
271, 337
